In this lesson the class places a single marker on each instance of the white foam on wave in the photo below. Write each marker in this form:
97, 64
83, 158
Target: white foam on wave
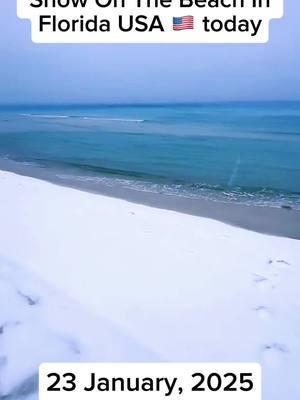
48, 116
114, 119
206, 193
44, 116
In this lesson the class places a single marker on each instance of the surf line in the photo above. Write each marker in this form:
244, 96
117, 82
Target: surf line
147, 384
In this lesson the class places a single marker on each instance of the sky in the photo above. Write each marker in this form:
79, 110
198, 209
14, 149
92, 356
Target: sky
46, 74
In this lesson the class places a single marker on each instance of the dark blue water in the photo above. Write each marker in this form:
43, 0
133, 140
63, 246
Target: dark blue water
241, 152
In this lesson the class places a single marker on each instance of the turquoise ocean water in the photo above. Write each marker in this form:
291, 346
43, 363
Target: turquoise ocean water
240, 152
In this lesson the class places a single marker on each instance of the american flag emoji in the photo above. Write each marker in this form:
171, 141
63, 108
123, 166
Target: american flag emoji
181, 23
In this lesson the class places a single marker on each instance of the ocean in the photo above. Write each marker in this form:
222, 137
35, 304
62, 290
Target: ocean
246, 153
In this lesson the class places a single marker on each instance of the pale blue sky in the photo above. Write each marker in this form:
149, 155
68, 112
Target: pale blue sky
31, 73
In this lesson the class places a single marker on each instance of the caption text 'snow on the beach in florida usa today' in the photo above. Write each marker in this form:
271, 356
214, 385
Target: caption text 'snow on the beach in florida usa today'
150, 21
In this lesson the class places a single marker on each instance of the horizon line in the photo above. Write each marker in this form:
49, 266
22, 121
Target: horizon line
163, 103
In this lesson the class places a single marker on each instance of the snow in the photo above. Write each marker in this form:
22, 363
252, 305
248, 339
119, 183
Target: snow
85, 277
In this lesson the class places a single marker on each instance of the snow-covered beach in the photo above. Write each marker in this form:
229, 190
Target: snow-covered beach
85, 277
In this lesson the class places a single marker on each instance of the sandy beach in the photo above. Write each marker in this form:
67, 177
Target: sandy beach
276, 221
86, 277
